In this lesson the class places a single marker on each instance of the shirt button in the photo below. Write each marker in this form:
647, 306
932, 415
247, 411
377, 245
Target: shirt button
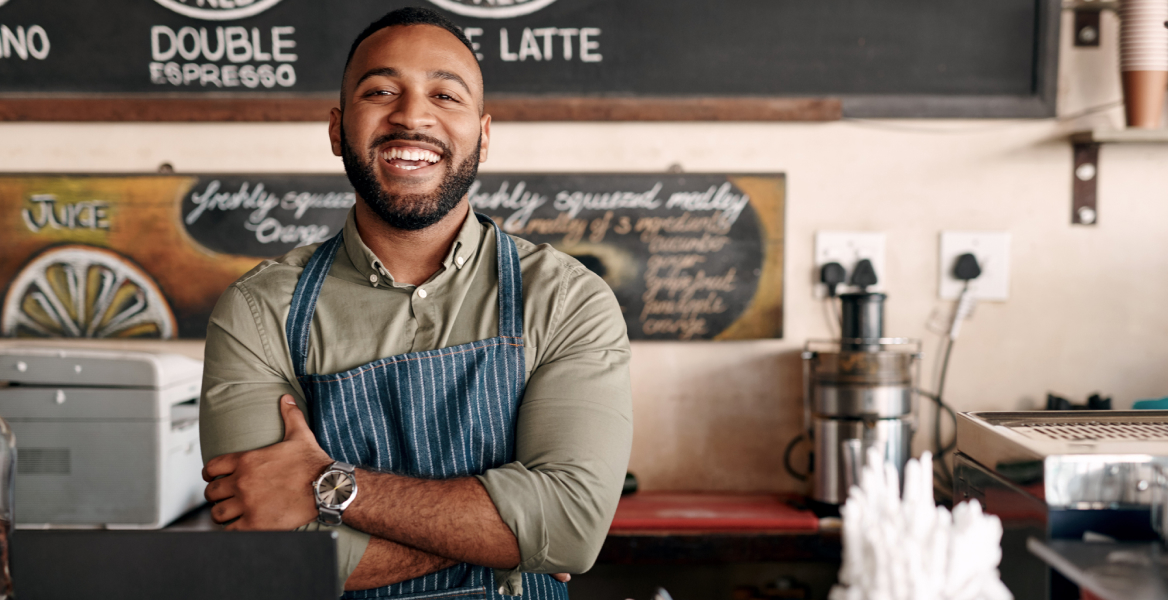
460, 260
422, 293
373, 278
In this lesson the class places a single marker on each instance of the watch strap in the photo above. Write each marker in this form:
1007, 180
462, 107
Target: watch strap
328, 516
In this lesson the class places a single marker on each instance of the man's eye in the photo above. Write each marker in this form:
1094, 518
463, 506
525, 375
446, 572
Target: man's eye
444, 97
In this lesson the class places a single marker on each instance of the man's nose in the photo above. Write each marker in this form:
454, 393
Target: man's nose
412, 111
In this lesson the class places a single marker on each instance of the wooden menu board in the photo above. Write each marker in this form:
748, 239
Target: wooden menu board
695, 256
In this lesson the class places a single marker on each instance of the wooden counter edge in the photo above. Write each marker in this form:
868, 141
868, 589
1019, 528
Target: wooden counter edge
720, 547
501, 108
672, 547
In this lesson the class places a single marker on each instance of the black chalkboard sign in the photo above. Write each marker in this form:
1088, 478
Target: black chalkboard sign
883, 57
688, 256
694, 256
265, 215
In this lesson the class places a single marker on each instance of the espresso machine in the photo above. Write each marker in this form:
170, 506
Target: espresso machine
1059, 476
859, 393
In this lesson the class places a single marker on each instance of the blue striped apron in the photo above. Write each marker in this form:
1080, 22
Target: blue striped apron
436, 414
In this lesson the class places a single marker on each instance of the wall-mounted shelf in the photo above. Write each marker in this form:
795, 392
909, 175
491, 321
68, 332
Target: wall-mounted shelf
1091, 5
1121, 136
1085, 172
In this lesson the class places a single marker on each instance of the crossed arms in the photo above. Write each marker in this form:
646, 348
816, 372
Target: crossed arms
421, 526
547, 512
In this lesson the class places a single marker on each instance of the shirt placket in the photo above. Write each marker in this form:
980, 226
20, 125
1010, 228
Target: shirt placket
380, 278
425, 309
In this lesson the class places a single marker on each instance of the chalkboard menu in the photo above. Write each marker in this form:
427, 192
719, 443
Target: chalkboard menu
693, 256
689, 256
882, 56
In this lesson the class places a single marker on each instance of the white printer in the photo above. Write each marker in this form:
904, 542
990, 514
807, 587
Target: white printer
103, 438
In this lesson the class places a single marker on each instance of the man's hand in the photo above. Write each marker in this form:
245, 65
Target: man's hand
269, 488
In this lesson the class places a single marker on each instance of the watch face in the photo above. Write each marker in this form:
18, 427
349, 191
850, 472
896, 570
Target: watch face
335, 488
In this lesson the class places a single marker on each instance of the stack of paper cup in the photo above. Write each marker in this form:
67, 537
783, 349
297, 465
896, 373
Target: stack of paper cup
1143, 47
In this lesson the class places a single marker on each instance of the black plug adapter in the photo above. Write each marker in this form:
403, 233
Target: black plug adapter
832, 274
864, 275
967, 268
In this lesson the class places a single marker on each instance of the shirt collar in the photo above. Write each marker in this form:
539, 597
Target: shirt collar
466, 244
461, 252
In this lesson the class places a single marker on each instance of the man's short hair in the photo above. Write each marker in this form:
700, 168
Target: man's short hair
410, 15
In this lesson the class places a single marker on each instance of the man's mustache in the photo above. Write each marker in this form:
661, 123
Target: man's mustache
407, 137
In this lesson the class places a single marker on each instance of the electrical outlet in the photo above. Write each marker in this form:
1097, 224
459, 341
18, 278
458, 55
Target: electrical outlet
992, 249
847, 248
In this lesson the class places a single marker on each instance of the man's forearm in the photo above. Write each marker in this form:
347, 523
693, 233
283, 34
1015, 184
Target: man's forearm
386, 563
453, 518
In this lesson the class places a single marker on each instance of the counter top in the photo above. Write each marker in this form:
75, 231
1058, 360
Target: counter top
712, 512
716, 527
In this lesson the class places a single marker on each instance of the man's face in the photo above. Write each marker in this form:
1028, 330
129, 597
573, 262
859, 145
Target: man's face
411, 134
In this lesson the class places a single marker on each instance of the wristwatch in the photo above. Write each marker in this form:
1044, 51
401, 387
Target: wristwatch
335, 490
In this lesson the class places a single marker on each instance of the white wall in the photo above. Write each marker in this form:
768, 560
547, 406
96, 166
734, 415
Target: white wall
1087, 308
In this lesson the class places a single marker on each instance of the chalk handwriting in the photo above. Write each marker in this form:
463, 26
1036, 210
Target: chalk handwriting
260, 203
271, 230
676, 298
724, 206
539, 44
21, 43
574, 202
232, 45
721, 199
518, 199
87, 214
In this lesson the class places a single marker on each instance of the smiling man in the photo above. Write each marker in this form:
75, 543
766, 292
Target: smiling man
467, 394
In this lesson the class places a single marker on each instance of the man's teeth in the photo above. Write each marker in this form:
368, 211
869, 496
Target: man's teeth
412, 155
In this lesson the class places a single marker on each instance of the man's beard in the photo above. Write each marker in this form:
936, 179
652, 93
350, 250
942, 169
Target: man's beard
409, 212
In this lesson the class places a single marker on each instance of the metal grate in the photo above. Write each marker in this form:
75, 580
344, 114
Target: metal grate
1089, 431
43, 461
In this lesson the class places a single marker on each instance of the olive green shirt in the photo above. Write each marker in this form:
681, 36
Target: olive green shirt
574, 429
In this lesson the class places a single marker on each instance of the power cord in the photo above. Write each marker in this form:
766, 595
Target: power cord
787, 459
966, 269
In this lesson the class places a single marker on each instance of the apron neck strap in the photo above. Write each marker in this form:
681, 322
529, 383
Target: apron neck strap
304, 301
303, 305
510, 282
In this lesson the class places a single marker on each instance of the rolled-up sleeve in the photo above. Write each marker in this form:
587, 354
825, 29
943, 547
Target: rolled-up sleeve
574, 435
240, 410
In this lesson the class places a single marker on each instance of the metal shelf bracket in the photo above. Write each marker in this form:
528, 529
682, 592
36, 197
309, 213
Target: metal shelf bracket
1085, 173
1084, 178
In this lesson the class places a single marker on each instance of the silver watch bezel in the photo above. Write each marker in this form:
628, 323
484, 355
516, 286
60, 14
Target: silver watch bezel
334, 511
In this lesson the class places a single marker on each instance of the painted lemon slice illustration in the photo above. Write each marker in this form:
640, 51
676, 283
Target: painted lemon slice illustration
84, 291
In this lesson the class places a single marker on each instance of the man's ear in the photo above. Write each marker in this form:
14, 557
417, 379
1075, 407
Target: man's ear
485, 140
335, 130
